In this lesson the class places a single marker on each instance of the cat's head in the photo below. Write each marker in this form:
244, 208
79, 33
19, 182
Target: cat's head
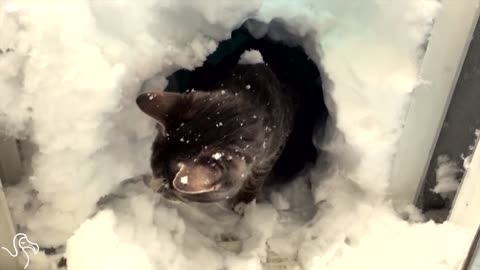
206, 142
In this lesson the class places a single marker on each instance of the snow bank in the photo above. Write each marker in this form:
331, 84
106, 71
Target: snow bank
142, 231
69, 87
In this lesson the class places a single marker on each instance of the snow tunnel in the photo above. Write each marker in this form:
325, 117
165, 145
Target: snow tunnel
293, 67
361, 60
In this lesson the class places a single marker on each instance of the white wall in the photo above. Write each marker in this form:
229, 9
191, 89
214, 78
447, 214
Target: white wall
441, 66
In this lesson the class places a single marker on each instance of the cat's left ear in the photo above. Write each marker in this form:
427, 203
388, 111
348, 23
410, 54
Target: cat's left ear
158, 105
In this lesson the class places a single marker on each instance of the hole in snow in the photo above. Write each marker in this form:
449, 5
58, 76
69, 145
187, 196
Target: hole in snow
293, 67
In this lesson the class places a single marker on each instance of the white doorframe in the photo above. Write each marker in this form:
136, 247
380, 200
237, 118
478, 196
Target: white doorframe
442, 63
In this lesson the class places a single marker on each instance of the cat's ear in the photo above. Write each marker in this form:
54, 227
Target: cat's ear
158, 104
196, 178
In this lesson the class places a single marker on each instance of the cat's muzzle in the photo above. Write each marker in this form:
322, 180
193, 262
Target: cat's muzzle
166, 189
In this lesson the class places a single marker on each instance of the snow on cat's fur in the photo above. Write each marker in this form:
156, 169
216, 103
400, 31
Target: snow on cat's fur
221, 142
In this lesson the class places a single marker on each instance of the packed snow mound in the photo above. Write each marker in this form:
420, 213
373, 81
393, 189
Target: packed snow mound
69, 85
125, 238
251, 57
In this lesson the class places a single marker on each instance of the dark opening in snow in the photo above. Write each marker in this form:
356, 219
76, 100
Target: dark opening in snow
292, 67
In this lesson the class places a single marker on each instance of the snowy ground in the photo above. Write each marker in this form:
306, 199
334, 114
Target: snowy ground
68, 87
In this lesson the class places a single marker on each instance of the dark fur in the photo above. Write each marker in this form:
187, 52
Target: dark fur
293, 68
247, 115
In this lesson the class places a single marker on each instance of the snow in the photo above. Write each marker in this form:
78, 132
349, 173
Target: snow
184, 180
69, 89
125, 237
446, 176
468, 159
217, 156
278, 201
251, 57
467, 200
475, 142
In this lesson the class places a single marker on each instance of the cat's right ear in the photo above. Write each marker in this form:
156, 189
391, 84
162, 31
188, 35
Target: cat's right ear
158, 105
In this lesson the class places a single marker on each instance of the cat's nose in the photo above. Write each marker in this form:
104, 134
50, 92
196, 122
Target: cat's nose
196, 179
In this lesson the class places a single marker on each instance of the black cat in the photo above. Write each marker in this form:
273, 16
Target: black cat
220, 142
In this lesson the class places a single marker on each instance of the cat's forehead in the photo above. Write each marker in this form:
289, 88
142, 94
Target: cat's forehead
221, 98
217, 106
216, 118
